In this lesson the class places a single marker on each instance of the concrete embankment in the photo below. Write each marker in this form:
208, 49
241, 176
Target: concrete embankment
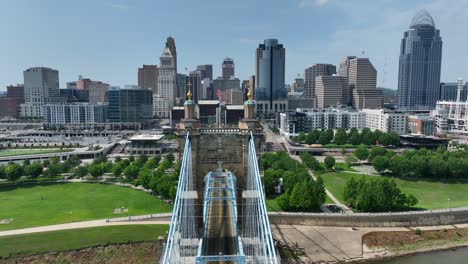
401, 219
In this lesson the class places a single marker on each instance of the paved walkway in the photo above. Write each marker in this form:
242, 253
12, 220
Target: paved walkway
345, 208
158, 219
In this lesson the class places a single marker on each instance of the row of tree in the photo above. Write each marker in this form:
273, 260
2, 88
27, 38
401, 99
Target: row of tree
376, 195
299, 192
160, 175
423, 163
51, 167
353, 137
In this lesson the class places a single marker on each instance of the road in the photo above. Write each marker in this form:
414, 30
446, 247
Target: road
86, 224
219, 237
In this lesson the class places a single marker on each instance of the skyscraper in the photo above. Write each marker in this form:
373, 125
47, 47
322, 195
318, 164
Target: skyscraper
40, 86
319, 69
363, 83
331, 90
344, 66
270, 73
228, 68
130, 105
420, 64
206, 71
148, 77
172, 47
167, 79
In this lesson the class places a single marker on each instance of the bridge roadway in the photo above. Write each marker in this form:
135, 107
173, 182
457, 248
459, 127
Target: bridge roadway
220, 236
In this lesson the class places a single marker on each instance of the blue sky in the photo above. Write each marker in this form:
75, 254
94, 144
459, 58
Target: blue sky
108, 40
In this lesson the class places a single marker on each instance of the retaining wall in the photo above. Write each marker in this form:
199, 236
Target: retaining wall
401, 219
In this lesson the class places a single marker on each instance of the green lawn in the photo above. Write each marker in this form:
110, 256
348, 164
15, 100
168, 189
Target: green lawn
272, 205
19, 152
39, 205
78, 238
431, 194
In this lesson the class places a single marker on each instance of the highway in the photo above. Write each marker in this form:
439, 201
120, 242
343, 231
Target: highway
219, 238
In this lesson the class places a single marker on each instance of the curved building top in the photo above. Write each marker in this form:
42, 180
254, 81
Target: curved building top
421, 19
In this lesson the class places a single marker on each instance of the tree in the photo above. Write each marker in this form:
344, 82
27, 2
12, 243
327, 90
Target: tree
354, 139
367, 137
302, 136
329, 162
394, 138
340, 137
131, 171
33, 170
95, 170
142, 159
145, 176
350, 191
157, 159
350, 160
324, 139
170, 157
312, 137
80, 171
271, 180
117, 169
330, 134
26, 162
13, 171
361, 153
73, 161
2, 172
310, 161
376, 151
54, 169
381, 163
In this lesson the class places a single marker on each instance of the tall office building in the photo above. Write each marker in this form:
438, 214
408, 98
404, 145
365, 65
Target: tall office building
97, 91
206, 71
41, 85
344, 66
228, 68
420, 64
331, 91
148, 77
270, 91
182, 80
167, 79
197, 89
130, 105
449, 92
319, 69
298, 84
170, 43
363, 83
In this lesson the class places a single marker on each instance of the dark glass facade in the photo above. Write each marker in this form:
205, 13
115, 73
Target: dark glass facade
270, 60
130, 105
420, 64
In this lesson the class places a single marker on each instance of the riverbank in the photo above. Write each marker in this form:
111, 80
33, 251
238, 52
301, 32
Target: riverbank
385, 246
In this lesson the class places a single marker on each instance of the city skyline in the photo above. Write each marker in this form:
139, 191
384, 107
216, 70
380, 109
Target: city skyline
118, 37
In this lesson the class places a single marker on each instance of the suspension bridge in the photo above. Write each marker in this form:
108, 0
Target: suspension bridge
221, 234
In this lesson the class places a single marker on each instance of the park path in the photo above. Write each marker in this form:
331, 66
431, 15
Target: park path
158, 219
345, 208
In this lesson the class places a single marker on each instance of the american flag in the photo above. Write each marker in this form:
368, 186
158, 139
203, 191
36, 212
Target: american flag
218, 93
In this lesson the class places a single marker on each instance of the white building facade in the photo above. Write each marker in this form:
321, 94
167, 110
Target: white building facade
75, 114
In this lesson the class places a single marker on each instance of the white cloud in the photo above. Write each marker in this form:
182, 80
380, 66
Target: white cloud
118, 6
304, 3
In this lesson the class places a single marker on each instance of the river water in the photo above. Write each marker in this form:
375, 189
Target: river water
459, 256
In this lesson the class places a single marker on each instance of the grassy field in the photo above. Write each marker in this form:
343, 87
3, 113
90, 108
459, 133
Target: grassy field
431, 194
78, 238
35, 205
19, 152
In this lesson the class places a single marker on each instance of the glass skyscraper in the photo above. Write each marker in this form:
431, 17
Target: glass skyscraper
130, 105
420, 64
270, 71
